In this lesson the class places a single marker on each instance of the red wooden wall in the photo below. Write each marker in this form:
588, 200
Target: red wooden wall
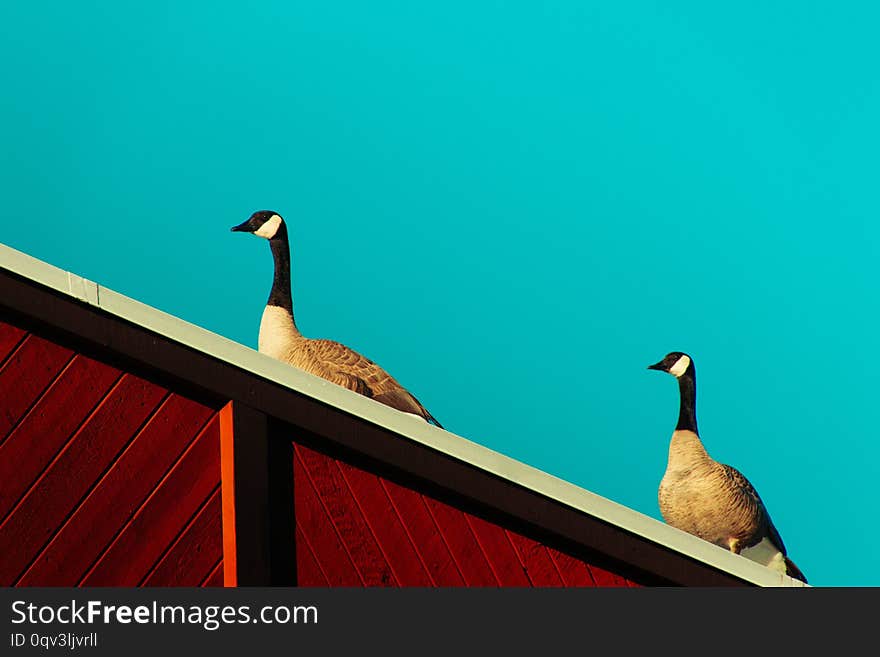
105, 477
354, 528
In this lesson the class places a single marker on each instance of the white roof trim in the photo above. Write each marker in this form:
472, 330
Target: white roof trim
406, 425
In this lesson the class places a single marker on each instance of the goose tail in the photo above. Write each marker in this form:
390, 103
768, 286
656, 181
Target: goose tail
794, 571
430, 418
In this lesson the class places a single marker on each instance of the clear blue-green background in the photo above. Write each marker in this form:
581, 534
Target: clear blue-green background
512, 209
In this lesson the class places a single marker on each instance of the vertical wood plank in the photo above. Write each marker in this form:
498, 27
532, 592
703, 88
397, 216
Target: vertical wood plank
258, 523
282, 512
227, 496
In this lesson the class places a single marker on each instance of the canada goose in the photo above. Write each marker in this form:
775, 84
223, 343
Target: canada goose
709, 499
280, 338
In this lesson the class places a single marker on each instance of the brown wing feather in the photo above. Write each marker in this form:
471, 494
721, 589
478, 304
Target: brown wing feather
745, 487
337, 363
772, 533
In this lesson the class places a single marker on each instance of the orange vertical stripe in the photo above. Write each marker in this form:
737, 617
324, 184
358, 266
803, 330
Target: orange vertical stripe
227, 486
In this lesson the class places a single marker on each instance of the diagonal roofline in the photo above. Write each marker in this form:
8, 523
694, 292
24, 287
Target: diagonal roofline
640, 529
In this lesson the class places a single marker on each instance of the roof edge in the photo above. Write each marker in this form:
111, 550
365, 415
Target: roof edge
409, 427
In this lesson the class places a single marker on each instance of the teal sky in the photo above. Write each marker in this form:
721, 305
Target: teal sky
512, 209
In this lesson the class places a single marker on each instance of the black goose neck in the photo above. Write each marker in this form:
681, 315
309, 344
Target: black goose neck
280, 294
687, 414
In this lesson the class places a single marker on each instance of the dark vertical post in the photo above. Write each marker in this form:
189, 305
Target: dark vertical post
258, 524
282, 521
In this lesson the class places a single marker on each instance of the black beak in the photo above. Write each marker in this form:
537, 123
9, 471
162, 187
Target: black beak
242, 228
657, 366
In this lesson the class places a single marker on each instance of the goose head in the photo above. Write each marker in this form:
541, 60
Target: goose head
675, 363
264, 223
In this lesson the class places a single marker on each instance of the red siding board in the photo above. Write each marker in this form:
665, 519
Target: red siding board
68, 478
606, 578
119, 494
574, 572
215, 577
10, 337
192, 557
499, 551
163, 515
109, 480
49, 425
308, 571
462, 544
410, 507
386, 527
26, 374
315, 524
342, 508
536, 560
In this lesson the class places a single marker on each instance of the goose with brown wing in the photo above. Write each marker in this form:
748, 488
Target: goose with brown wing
281, 339
709, 499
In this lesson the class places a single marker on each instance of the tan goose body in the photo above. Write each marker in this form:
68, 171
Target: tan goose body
709, 499
280, 338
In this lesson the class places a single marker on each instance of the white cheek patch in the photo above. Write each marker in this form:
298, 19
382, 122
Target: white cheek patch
269, 228
680, 366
